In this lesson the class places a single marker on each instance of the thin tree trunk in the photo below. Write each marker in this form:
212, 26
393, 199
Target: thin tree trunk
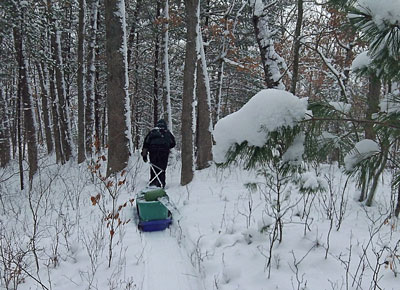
264, 36
62, 108
374, 89
10, 94
397, 211
98, 101
297, 45
19, 140
167, 85
80, 82
132, 33
376, 177
91, 77
45, 107
26, 96
221, 67
117, 87
56, 126
156, 68
189, 77
5, 155
60, 86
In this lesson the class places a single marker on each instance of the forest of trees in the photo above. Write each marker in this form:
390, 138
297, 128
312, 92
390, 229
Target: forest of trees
77, 77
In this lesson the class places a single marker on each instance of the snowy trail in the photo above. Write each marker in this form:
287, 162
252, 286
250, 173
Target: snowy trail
166, 267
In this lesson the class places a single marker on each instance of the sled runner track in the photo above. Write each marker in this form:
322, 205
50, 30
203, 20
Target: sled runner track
166, 268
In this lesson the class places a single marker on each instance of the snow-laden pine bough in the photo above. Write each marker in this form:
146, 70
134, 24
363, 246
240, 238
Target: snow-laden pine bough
153, 206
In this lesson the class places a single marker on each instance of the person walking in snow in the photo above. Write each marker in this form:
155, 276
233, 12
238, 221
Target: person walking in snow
157, 144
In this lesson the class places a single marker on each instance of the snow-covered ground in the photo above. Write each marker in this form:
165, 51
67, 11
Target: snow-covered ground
221, 239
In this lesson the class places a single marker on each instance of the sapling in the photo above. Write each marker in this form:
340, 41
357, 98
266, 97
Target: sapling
110, 188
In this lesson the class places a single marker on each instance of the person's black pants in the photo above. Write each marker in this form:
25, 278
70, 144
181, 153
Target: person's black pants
159, 158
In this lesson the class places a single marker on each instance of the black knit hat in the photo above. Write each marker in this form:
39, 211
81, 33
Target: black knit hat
162, 124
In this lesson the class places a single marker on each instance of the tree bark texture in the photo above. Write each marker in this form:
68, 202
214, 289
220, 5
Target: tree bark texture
27, 103
269, 57
54, 112
61, 94
296, 47
167, 85
5, 155
397, 210
45, 107
156, 86
373, 95
203, 134
58, 88
117, 86
91, 77
80, 82
191, 7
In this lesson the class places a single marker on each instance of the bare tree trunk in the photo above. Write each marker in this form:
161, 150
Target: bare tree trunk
117, 87
45, 107
221, 66
374, 89
19, 139
56, 126
132, 33
203, 132
264, 35
80, 82
297, 45
191, 7
156, 68
63, 107
91, 77
10, 95
26, 96
98, 101
60, 86
167, 87
397, 210
5, 155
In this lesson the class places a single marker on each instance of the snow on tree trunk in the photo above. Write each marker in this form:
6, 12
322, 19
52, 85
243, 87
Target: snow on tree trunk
296, 47
204, 126
264, 33
55, 118
91, 76
167, 84
117, 87
5, 156
80, 82
45, 106
27, 102
156, 68
189, 78
60, 87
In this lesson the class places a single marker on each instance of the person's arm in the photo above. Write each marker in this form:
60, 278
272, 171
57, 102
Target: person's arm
146, 142
145, 148
172, 145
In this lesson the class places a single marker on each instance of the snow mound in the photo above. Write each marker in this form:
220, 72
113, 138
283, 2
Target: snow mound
267, 111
